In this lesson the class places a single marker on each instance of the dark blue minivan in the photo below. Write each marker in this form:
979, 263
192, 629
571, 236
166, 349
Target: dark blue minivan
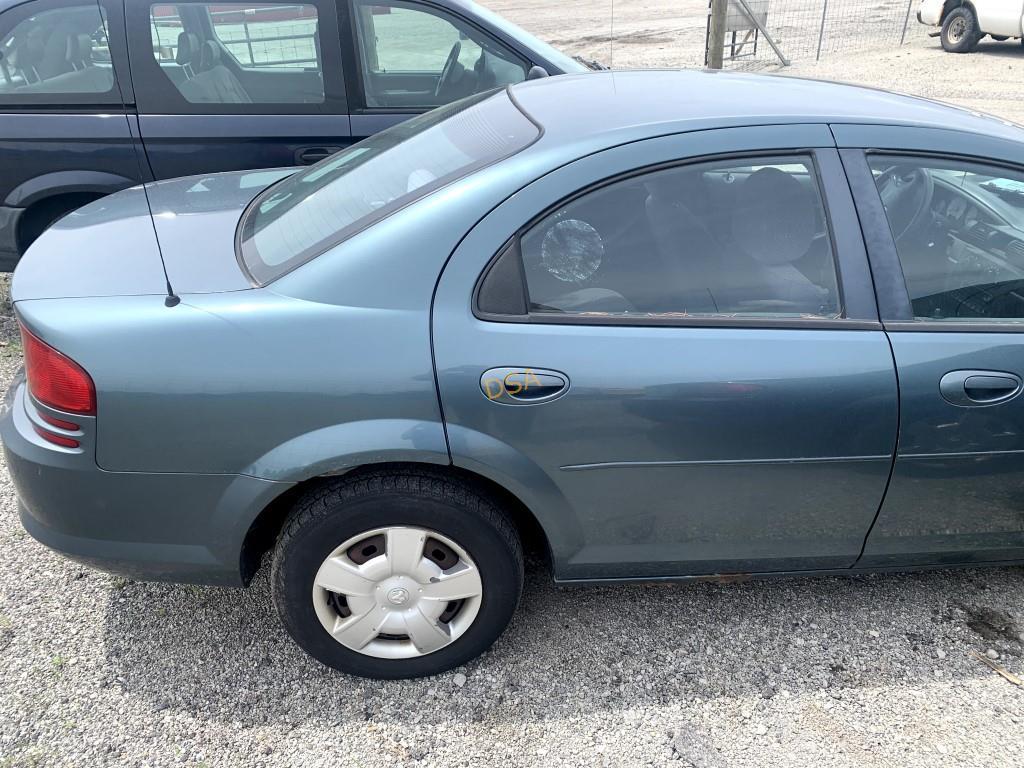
98, 95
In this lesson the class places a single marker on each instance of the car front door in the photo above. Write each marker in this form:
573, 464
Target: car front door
953, 245
675, 361
234, 86
405, 58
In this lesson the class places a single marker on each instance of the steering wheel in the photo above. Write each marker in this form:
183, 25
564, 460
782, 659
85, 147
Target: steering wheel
449, 69
906, 193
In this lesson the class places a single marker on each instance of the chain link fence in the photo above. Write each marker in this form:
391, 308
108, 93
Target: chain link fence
803, 30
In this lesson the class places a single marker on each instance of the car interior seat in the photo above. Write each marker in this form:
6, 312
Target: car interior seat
26, 58
212, 81
187, 56
83, 75
689, 252
774, 224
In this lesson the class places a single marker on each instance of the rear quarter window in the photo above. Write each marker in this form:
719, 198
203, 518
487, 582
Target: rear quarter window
56, 53
316, 209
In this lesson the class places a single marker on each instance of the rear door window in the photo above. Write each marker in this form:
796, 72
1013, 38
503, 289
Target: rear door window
235, 53
743, 239
56, 53
414, 56
236, 58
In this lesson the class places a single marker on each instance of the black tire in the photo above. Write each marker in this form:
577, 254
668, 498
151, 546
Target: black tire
960, 31
328, 516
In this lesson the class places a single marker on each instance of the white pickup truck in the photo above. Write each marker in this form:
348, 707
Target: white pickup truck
963, 24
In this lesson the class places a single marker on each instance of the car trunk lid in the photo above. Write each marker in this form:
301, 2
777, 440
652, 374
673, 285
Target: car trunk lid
113, 247
195, 220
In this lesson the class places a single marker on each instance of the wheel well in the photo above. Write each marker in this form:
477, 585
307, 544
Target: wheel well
951, 4
41, 214
262, 534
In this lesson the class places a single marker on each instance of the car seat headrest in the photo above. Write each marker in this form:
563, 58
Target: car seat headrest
773, 220
188, 49
79, 49
210, 57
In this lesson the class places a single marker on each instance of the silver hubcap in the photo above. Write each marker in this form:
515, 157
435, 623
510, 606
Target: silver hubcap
957, 30
397, 593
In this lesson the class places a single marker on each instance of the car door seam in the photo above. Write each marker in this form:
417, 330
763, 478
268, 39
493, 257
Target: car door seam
895, 453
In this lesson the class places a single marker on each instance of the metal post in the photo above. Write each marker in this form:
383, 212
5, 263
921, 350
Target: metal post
248, 40
821, 32
716, 34
906, 21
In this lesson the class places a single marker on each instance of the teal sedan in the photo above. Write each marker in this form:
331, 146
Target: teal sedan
656, 325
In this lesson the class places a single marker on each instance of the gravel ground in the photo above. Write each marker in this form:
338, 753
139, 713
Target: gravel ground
670, 33
989, 80
872, 671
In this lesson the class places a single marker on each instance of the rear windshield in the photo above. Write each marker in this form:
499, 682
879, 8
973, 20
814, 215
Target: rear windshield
310, 212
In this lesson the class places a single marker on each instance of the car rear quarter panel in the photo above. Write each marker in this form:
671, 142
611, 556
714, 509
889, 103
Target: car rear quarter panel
249, 382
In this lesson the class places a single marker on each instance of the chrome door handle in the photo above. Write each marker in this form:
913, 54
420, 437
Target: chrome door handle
974, 388
523, 386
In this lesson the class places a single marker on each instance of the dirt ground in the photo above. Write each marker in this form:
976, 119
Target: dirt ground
670, 33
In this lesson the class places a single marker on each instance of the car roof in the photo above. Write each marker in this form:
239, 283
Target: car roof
655, 102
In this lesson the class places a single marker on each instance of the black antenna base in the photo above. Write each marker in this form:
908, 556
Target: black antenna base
172, 300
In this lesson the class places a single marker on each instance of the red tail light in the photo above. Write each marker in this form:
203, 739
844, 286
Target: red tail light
55, 379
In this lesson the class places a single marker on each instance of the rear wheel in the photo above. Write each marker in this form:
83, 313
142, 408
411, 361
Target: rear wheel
959, 31
397, 574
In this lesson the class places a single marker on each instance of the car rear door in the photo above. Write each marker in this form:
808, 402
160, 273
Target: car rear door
234, 86
952, 299
676, 362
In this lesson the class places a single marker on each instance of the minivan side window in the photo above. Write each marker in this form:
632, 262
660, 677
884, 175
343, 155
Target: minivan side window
729, 238
412, 56
239, 53
959, 233
56, 55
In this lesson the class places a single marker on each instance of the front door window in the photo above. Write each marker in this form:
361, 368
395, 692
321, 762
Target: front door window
959, 232
415, 57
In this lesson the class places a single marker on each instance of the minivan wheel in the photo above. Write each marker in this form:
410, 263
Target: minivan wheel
959, 31
396, 574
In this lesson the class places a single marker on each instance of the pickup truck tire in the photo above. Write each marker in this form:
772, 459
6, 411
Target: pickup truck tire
959, 31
